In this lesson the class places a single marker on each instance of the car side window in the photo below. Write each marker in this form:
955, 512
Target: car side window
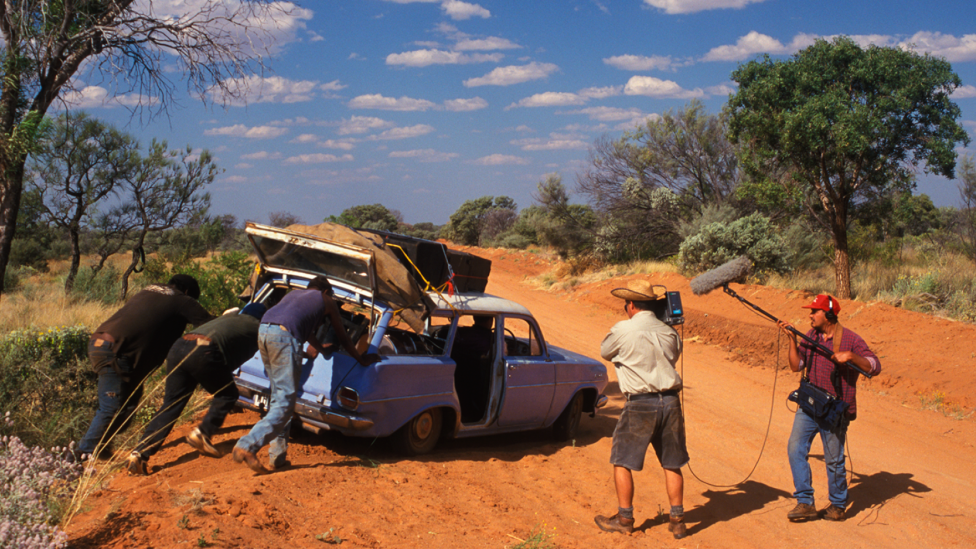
521, 338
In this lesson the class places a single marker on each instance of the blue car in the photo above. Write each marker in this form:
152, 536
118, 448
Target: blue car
461, 365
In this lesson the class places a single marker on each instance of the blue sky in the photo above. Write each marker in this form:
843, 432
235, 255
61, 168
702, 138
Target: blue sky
422, 104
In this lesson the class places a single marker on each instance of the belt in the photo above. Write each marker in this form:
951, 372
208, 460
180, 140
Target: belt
644, 396
103, 339
200, 339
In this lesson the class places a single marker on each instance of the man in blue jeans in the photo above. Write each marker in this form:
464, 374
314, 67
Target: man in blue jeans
128, 346
834, 376
284, 330
644, 351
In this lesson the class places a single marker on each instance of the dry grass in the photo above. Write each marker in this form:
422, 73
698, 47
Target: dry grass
566, 275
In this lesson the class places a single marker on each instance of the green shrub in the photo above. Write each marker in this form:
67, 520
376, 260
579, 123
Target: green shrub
102, 286
753, 236
222, 277
47, 384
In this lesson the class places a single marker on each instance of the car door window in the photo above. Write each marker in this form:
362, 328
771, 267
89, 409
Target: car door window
521, 338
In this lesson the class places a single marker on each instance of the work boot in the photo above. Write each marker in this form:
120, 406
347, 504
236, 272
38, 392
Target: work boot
136, 465
243, 456
832, 512
677, 527
279, 462
803, 512
201, 443
616, 523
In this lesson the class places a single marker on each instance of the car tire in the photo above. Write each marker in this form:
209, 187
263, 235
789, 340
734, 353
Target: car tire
568, 422
420, 434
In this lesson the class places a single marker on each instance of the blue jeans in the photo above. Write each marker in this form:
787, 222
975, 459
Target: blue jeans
281, 354
118, 398
805, 429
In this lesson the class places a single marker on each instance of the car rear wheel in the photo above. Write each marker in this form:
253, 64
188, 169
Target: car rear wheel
568, 422
420, 434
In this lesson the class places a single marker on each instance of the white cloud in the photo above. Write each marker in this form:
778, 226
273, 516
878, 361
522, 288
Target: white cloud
273, 30
318, 158
485, 44
601, 93
305, 138
261, 155
655, 87
377, 101
335, 85
953, 49
500, 160
243, 166
514, 74
405, 132
271, 89
609, 114
341, 144
464, 105
460, 11
549, 99
554, 142
424, 155
721, 89
639, 62
692, 6
424, 58
747, 46
362, 124
234, 179
92, 97
240, 130
964, 92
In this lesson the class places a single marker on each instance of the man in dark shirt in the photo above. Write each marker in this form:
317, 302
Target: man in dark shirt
132, 343
837, 378
207, 356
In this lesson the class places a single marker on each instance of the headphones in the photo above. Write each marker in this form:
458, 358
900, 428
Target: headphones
829, 314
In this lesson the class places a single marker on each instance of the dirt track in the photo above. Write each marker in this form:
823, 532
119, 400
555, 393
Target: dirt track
913, 479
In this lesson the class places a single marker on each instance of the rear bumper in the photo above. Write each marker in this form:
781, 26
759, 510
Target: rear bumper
305, 409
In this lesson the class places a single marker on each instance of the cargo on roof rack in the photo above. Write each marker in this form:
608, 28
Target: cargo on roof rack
436, 262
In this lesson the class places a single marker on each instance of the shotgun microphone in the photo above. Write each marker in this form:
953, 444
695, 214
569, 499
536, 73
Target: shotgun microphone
731, 271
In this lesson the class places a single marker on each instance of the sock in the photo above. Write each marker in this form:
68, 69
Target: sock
626, 512
677, 511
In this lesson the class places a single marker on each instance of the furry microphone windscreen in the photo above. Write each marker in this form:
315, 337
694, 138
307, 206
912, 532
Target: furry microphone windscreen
731, 271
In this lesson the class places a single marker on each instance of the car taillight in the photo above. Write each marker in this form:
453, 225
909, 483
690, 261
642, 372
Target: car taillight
348, 398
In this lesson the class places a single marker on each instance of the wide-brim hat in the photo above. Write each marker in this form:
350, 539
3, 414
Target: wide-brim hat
639, 290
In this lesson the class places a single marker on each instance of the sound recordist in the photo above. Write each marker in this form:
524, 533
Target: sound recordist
835, 376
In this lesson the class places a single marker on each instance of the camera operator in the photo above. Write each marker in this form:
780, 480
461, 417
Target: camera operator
834, 376
644, 351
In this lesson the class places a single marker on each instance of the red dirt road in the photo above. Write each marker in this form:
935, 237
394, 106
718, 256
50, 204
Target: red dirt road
913, 468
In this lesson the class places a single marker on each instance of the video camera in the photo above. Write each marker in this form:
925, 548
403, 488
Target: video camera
669, 309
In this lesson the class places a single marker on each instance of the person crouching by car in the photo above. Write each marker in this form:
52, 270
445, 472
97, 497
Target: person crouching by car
207, 356
644, 351
284, 330
128, 346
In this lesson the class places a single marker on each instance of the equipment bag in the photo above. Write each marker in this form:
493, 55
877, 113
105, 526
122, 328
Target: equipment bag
817, 403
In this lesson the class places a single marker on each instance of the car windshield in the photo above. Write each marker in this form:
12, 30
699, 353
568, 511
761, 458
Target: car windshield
299, 257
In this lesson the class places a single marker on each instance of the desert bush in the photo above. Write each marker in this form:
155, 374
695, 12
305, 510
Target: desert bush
222, 277
47, 385
34, 484
752, 236
100, 286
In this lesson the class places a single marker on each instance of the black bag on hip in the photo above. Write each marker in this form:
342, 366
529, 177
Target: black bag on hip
822, 406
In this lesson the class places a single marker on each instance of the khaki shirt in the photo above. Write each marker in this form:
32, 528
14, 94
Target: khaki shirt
644, 350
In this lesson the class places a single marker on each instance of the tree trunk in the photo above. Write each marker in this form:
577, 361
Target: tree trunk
132, 264
69, 281
842, 264
10, 190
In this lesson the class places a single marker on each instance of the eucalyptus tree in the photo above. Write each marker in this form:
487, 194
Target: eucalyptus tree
836, 124
79, 161
135, 45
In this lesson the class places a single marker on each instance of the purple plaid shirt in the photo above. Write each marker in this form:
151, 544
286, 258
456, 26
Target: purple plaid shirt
821, 367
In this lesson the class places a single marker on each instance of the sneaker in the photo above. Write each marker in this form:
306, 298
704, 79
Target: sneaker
615, 523
832, 512
201, 443
243, 456
802, 512
677, 527
136, 465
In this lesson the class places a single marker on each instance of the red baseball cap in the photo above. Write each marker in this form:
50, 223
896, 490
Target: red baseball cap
824, 302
